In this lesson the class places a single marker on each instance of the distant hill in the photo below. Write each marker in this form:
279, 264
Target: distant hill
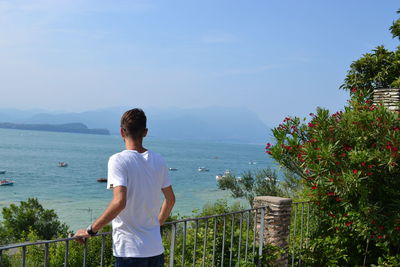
68, 128
213, 123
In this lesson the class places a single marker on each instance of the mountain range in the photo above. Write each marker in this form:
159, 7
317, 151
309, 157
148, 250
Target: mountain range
213, 123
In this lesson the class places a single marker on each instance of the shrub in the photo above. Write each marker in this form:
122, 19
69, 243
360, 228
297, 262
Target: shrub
30, 216
260, 183
196, 248
349, 162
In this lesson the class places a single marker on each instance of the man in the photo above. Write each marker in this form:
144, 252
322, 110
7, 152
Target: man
137, 177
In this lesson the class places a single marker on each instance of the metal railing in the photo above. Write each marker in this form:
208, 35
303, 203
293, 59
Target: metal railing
229, 239
303, 224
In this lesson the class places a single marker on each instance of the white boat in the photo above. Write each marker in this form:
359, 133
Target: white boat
6, 182
221, 176
252, 162
62, 164
2, 172
203, 169
172, 169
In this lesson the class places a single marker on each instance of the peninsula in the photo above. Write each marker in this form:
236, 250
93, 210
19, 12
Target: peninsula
67, 128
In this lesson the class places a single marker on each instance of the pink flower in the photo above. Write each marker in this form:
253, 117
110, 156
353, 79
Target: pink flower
355, 171
311, 125
268, 146
349, 223
314, 187
347, 148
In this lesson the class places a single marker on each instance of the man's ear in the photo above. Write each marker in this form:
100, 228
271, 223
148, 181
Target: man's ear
122, 132
145, 132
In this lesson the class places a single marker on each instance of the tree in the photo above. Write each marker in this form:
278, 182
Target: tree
30, 216
378, 69
261, 183
395, 28
349, 164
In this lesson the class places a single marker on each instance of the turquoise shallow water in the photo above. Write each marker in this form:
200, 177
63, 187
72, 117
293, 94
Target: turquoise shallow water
30, 159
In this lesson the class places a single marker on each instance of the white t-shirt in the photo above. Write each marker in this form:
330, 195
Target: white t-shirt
136, 229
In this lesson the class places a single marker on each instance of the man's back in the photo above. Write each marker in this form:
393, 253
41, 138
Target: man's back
137, 177
136, 229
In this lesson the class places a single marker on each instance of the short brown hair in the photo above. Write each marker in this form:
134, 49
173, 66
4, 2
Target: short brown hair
133, 123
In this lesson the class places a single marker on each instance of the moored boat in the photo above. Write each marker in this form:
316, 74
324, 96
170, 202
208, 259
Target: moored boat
6, 182
2, 171
62, 164
203, 169
172, 169
102, 180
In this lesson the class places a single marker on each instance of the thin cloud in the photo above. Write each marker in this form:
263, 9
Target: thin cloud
217, 38
250, 70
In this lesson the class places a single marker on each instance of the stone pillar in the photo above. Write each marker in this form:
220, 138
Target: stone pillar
390, 97
276, 223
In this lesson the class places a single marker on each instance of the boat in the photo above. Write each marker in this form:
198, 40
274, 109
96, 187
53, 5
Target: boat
172, 169
102, 180
62, 164
221, 176
2, 172
203, 169
6, 182
252, 162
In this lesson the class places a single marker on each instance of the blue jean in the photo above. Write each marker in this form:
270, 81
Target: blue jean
155, 261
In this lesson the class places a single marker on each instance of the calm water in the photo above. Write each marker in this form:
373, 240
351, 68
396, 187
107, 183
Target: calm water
30, 159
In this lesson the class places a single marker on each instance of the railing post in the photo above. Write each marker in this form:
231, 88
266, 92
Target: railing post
102, 250
66, 253
276, 223
46, 254
23, 264
172, 247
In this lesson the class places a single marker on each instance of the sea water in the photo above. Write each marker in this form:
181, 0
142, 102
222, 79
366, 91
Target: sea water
31, 160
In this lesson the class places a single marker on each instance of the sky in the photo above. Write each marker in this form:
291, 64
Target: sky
276, 58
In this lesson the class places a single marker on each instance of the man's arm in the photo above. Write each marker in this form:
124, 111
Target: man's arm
167, 205
116, 205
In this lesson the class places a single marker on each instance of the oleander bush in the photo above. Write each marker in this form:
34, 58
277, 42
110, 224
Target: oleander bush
349, 164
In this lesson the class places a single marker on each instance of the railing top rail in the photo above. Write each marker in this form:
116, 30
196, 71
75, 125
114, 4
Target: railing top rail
213, 216
25, 244
41, 242
302, 202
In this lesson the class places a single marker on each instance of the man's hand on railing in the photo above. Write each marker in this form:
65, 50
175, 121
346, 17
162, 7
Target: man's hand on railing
80, 235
